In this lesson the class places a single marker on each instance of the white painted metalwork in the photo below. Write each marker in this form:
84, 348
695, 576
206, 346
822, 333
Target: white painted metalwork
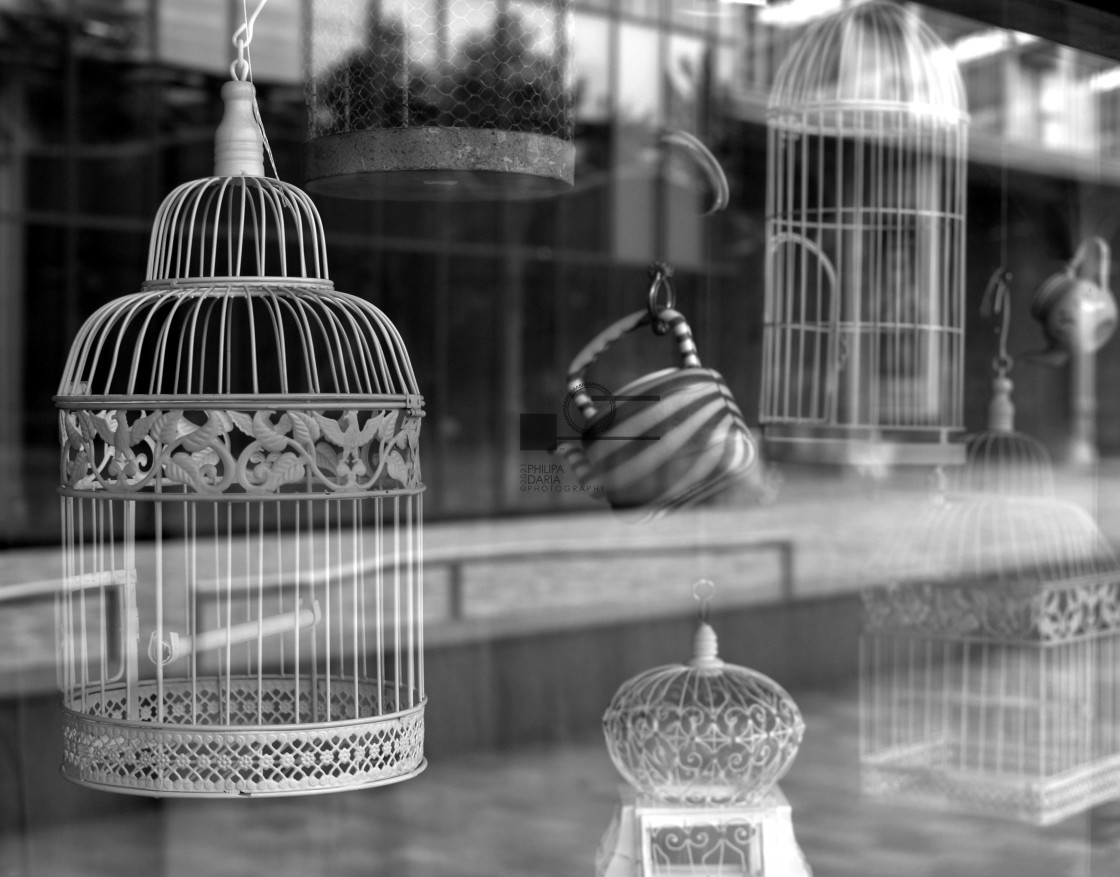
703, 733
990, 659
242, 510
703, 746
864, 315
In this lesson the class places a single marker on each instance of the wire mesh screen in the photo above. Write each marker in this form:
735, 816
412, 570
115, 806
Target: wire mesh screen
864, 321
419, 98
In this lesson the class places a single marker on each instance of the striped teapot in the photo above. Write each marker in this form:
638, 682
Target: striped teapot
667, 440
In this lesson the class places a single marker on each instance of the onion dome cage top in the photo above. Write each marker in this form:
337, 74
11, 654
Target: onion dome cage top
876, 56
703, 733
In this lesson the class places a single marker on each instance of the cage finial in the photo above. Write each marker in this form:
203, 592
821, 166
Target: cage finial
238, 143
705, 645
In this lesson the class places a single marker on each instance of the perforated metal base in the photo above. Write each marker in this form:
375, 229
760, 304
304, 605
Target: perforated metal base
257, 749
917, 773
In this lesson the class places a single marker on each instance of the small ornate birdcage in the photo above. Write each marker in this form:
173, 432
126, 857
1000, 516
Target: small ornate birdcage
703, 746
864, 314
262, 428
433, 98
989, 660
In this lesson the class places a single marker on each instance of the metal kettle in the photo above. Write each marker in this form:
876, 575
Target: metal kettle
1078, 315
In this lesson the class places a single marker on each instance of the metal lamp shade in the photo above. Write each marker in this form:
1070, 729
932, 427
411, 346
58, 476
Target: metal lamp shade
420, 99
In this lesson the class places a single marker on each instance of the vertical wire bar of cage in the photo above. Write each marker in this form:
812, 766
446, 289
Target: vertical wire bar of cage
419, 619
1043, 726
769, 283
802, 274
282, 667
104, 576
1003, 704
245, 593
355, 540
190, 514
297, 667
157, 513
411, 603
327, 611
62, 627
312, 566
962, 731
982, 706
132, 657
260, 609
864, 695
850, 309
396, 602
379, 599
831, 371
360, 544
228, 655
820, 317
786, 291
83, 666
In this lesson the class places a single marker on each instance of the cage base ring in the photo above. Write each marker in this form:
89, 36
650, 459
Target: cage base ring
179, 757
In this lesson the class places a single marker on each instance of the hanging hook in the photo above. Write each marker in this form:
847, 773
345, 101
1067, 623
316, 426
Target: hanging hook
997, 300
702, 591
717, 179
660, 273
240, 68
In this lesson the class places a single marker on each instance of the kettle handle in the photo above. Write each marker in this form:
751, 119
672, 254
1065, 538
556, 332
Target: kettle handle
1103, 256
673, 320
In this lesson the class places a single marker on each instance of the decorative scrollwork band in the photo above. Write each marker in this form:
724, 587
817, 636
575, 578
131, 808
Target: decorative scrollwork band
219, 451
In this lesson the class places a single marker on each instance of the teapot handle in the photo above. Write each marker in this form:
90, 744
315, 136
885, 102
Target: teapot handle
673, 321
1104, 254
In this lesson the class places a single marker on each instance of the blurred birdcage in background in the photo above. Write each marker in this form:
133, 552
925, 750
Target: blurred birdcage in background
433, 98
990, 659
264, 428
864, 315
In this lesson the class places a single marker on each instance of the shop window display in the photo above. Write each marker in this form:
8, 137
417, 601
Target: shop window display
539, 603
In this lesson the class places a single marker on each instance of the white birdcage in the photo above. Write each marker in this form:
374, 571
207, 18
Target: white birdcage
989, 660
241, 504
864, 315
702, 746
436, 98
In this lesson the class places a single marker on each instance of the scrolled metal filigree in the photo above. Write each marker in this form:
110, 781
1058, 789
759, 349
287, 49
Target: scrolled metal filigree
265, 451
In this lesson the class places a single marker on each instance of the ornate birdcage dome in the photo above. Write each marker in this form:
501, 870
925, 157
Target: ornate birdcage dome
703, 733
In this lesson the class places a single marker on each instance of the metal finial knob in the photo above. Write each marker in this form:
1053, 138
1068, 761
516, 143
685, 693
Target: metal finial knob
238, 142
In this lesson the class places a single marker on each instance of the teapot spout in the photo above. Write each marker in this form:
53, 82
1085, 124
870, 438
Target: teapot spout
1053, 356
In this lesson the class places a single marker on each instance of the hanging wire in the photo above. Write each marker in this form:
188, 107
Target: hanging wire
996, 302
703, 590
661, 274
242, 68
